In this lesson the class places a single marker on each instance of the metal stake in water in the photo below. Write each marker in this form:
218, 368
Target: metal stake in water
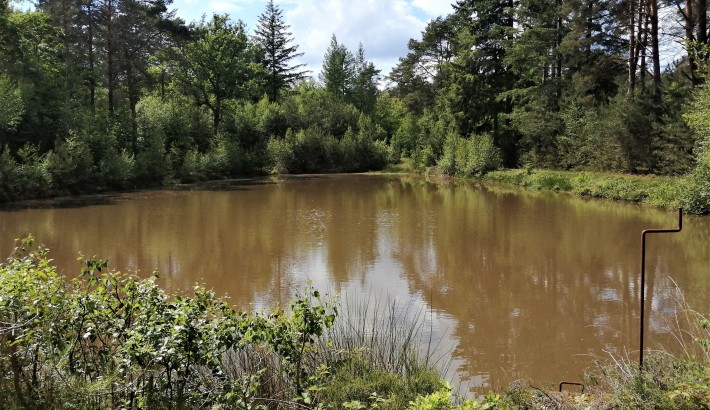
643, 276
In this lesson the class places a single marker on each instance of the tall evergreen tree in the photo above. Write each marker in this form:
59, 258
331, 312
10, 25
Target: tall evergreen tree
481, 73
273, 36
364, 90
338, 70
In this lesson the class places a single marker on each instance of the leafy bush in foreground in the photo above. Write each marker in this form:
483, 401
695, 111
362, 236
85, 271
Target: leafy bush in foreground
110, 340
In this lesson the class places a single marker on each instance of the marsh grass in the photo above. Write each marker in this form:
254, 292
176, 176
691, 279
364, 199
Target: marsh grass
379, 352
679, 381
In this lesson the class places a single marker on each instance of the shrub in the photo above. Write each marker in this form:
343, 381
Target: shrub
113, 340
27, 179
71, 166
117, 169
469, 157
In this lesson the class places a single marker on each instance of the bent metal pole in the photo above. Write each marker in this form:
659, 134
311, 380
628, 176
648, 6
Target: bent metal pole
643, 276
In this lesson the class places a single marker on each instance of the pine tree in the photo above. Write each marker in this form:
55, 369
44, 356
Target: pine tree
339, 70
365, 91
273, 36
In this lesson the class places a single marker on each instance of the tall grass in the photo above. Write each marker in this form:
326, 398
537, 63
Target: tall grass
666, 381
393, 334
378, 353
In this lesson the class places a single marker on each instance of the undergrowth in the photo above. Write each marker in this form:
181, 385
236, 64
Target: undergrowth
668, 192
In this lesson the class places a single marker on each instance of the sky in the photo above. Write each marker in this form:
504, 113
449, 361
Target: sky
383, 26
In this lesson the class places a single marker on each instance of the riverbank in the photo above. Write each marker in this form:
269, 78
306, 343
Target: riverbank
668, 192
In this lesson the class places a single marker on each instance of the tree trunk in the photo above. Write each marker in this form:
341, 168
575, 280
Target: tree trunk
559, 42
632, 48
92, 78
642, 48
702, 36
110, 61
217, 115
653, 15
132, 98
703, 22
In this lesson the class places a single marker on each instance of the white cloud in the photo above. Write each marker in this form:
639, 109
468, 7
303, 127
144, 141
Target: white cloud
383, 26
434, 8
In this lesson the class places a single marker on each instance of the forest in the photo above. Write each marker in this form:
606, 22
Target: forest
99, 95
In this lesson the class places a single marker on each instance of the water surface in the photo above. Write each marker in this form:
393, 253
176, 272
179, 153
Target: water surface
515, 284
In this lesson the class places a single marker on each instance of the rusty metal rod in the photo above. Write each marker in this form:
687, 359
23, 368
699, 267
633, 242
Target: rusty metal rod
643, 276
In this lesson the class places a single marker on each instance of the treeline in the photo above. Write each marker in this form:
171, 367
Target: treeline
116, 94
566, 84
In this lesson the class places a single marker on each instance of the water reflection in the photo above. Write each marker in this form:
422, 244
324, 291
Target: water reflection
517, 284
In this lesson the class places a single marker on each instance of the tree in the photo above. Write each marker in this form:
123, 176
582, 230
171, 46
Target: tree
364, 88
11, 106
275, 39
419, 74
694, 17
32, 60
480, 72
220, 64
338, 70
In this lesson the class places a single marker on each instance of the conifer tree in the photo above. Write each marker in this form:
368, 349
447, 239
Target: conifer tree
339, 70
273, 36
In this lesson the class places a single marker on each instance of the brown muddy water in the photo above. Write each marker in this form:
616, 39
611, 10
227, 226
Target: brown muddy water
513, 284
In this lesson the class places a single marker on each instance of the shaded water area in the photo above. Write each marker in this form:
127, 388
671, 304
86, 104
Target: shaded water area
514, 284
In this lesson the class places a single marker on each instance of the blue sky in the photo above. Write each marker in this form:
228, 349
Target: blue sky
383, 26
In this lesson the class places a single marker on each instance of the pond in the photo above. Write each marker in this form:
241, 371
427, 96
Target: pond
510, 284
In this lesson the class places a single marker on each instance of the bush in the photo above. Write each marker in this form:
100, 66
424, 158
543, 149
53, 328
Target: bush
117, 169
113, 340
27, 179
281, 154
365, 150
306, 151
71, 166
469, 157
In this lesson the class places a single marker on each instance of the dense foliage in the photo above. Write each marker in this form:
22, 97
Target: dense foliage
117, 94
113, 340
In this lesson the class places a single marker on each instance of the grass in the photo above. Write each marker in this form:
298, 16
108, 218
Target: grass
376, 355
370, 357
667, 192
666, 382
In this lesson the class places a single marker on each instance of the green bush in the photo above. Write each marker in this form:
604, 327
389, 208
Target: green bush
117, 169
474, 156
364, 150
305, 151
71, 166
404, 141
28, 178
112, 340
281, 154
